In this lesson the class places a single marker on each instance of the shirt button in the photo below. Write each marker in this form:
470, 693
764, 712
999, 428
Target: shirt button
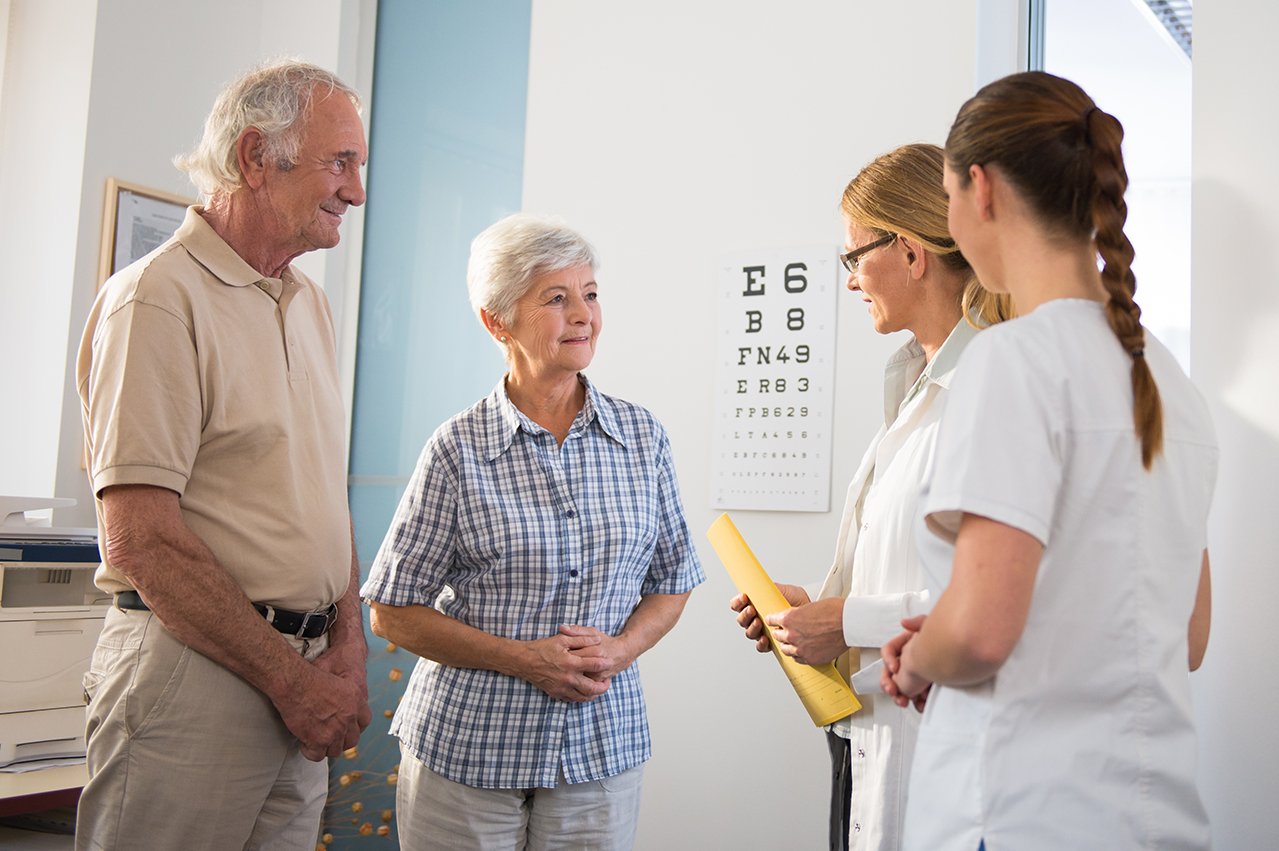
572, 573
264, 285
570, 513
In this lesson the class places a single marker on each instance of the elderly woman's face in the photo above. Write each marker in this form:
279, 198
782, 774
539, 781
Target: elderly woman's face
556, 323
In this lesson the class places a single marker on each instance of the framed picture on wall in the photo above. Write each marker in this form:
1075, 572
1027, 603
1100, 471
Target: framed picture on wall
135, 220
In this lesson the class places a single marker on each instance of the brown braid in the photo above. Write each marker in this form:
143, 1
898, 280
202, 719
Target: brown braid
1063, 155
1109, 212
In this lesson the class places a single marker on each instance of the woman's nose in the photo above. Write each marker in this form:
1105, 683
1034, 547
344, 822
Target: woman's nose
578, 311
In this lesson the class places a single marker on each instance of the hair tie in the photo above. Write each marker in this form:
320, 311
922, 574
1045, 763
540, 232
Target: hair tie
1137, 353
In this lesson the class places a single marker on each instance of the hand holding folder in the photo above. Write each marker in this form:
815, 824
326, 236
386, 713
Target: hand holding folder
821, 688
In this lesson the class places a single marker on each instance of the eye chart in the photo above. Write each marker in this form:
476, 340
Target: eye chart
775, 379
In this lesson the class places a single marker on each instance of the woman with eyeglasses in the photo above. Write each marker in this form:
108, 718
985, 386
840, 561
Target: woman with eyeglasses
904, 265
1067, 523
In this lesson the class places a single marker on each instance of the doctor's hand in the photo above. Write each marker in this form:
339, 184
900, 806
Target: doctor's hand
898, 681
812, 633
748, 618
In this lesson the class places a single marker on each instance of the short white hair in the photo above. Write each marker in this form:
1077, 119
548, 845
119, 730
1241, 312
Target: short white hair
509, 254
276, 98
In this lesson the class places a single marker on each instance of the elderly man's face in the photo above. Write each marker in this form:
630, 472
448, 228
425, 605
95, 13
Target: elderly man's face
308, 200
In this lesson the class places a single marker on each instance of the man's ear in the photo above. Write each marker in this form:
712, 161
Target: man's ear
250, 151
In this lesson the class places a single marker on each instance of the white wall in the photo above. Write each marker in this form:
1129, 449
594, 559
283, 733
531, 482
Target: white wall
116, 88
1233, 332
671, 132
45, 93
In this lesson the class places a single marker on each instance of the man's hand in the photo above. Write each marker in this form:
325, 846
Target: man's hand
348, 662
748, 618
322, 709
812, 634
559, 666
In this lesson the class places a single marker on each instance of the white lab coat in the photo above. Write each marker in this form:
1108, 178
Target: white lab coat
876, 570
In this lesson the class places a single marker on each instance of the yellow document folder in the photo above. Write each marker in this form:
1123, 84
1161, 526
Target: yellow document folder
821, 688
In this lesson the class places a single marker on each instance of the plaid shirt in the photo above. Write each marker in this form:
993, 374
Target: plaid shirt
511, 534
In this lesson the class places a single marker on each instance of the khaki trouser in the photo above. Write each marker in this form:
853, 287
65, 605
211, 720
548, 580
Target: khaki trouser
183, 754
437, 814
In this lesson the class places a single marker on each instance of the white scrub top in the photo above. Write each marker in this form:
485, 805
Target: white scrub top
1084, 738
876, 570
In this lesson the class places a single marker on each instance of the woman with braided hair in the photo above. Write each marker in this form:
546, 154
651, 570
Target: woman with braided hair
1065, 518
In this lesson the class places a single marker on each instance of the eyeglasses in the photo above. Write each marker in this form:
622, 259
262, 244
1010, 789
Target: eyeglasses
852, 259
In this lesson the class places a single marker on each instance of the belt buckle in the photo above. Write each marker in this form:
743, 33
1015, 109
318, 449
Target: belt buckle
325, 616
306, 620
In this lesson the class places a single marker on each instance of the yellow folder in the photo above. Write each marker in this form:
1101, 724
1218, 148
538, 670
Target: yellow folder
821, 688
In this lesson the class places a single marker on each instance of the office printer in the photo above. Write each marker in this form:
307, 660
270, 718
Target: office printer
50, 617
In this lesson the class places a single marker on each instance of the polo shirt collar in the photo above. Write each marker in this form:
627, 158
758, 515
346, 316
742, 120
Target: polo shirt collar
504, 420
213, 253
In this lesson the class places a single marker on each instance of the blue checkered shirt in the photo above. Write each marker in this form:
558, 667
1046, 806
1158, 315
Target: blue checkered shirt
511, 534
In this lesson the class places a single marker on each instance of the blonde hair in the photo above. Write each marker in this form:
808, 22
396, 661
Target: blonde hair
900, 192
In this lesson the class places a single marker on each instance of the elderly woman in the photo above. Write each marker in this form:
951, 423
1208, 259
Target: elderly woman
539, 549
903, 263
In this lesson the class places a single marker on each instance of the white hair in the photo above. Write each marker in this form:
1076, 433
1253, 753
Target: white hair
509, 254
276, 98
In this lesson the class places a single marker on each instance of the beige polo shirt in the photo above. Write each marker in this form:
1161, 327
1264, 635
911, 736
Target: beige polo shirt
198, 375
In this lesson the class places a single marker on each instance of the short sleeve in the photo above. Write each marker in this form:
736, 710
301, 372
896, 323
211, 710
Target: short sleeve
420, 547
676, 567
145, 413
999, 449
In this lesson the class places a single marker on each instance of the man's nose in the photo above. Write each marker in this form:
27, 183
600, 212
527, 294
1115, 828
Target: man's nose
352, 191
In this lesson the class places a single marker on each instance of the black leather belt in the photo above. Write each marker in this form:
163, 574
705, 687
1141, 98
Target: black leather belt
296, 624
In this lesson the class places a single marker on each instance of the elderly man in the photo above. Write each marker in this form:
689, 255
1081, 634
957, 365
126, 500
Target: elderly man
233, 661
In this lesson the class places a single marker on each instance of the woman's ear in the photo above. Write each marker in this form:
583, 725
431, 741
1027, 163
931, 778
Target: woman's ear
493, 325
916, 257
983, 191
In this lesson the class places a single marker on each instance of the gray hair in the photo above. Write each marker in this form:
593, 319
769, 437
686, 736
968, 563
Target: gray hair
508, 255
276, 98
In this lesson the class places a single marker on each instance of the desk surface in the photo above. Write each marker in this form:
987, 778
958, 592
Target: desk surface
44, 780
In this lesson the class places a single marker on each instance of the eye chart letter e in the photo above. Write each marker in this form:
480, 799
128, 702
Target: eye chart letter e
775, 379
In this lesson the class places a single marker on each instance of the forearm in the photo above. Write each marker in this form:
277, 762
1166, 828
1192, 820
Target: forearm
347, 633
941, 655
979, 618
198, 602
655, 615
440, 638
1201, 616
